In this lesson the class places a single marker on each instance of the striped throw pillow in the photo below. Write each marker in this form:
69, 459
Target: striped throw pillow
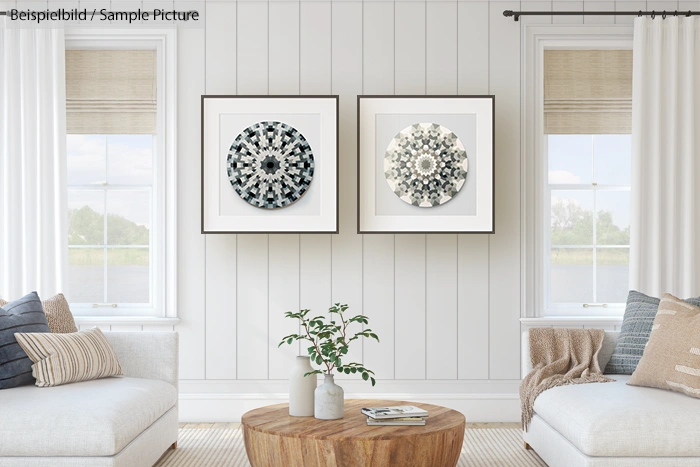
23, 315
58, 313
672, 357
69, 358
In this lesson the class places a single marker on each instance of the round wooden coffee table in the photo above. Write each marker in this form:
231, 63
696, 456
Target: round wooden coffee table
274, 439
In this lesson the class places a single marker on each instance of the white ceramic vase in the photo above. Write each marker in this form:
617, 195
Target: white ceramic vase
329, 401
301, 389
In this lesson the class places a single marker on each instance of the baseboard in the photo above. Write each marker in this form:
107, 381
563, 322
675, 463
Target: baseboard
228, 407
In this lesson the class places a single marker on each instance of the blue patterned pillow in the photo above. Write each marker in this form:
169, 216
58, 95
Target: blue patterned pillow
634, 335
23, 315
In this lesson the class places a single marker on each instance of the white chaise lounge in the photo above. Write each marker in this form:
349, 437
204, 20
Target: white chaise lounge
612, 424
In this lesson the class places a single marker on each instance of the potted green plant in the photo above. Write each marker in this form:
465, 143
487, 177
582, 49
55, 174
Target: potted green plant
330, 341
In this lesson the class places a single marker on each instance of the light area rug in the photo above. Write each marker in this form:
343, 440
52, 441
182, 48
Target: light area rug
223, 446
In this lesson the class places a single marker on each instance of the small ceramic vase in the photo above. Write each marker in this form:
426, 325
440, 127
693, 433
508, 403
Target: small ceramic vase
329, 403
301, 389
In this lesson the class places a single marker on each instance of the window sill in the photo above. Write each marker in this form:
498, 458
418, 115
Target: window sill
571, 321
137, 320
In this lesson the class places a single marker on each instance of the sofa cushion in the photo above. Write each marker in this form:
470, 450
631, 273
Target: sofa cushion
634, 335
616, 420
91, 418
672, 356
57, 312
68, 358
22, 315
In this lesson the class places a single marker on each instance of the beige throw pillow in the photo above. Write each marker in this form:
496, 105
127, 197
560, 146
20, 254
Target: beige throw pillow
68, 358
58, 314
671, 359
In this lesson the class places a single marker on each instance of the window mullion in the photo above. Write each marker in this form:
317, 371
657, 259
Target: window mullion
595, 223
104, 241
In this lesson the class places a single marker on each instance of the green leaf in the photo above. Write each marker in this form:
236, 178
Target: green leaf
373, 381
290, 340
319, 360
346, 370
365, 376
337, 361
354, 370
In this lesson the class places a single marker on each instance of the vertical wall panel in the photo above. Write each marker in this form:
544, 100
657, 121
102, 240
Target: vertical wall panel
378, 48
441, 45
283, 260
409, 299
221, 258
284, 47
315, 47
316, 258
252, 37
315, 278
190, 241
252, 306
346, 26
378, 250
472, 250
441, 310
378, 303
473, 60
283, 296
473, 307
567, 6
441, 250
252, 267
628, 6
221, 307
540, 5
504, 245
410, 259
598, 6
686, 5
410, 50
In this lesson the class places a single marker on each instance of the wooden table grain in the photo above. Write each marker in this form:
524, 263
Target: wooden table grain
273, 438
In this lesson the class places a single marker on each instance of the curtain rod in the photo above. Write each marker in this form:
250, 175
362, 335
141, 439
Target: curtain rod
517, 14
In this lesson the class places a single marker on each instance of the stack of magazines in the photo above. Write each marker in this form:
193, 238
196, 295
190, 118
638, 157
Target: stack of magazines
403, 415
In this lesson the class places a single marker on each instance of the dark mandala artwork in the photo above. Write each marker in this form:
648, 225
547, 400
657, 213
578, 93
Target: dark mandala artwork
425, 165
270, 165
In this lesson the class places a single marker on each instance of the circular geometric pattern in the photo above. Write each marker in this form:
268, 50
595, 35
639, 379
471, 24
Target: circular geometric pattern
270, 165
425, 165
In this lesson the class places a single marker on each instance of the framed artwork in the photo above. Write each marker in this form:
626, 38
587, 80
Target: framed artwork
425, 164
269, 164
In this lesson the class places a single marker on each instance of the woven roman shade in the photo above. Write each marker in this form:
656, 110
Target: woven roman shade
587, 91
111, 91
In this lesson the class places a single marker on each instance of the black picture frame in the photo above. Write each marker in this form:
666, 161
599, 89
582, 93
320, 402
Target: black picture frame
204, 98
360, 99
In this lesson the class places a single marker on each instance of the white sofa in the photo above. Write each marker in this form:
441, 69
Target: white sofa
125, 421
613, 424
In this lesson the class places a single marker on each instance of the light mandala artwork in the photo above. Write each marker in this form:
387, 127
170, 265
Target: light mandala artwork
425, 165
270, 165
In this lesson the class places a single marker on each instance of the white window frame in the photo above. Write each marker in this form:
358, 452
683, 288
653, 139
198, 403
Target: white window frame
534, 174
163, 246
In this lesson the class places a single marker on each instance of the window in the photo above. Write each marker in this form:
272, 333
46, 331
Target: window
586, 148
111, 219
120, 173
588, 194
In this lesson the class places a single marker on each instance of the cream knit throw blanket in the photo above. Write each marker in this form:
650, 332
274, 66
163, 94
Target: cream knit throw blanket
560, 357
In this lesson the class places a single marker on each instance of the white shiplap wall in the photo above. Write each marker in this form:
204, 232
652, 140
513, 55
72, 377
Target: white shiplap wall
446, 306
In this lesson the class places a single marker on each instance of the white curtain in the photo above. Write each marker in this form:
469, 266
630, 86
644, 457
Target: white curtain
665, 222
33, 211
